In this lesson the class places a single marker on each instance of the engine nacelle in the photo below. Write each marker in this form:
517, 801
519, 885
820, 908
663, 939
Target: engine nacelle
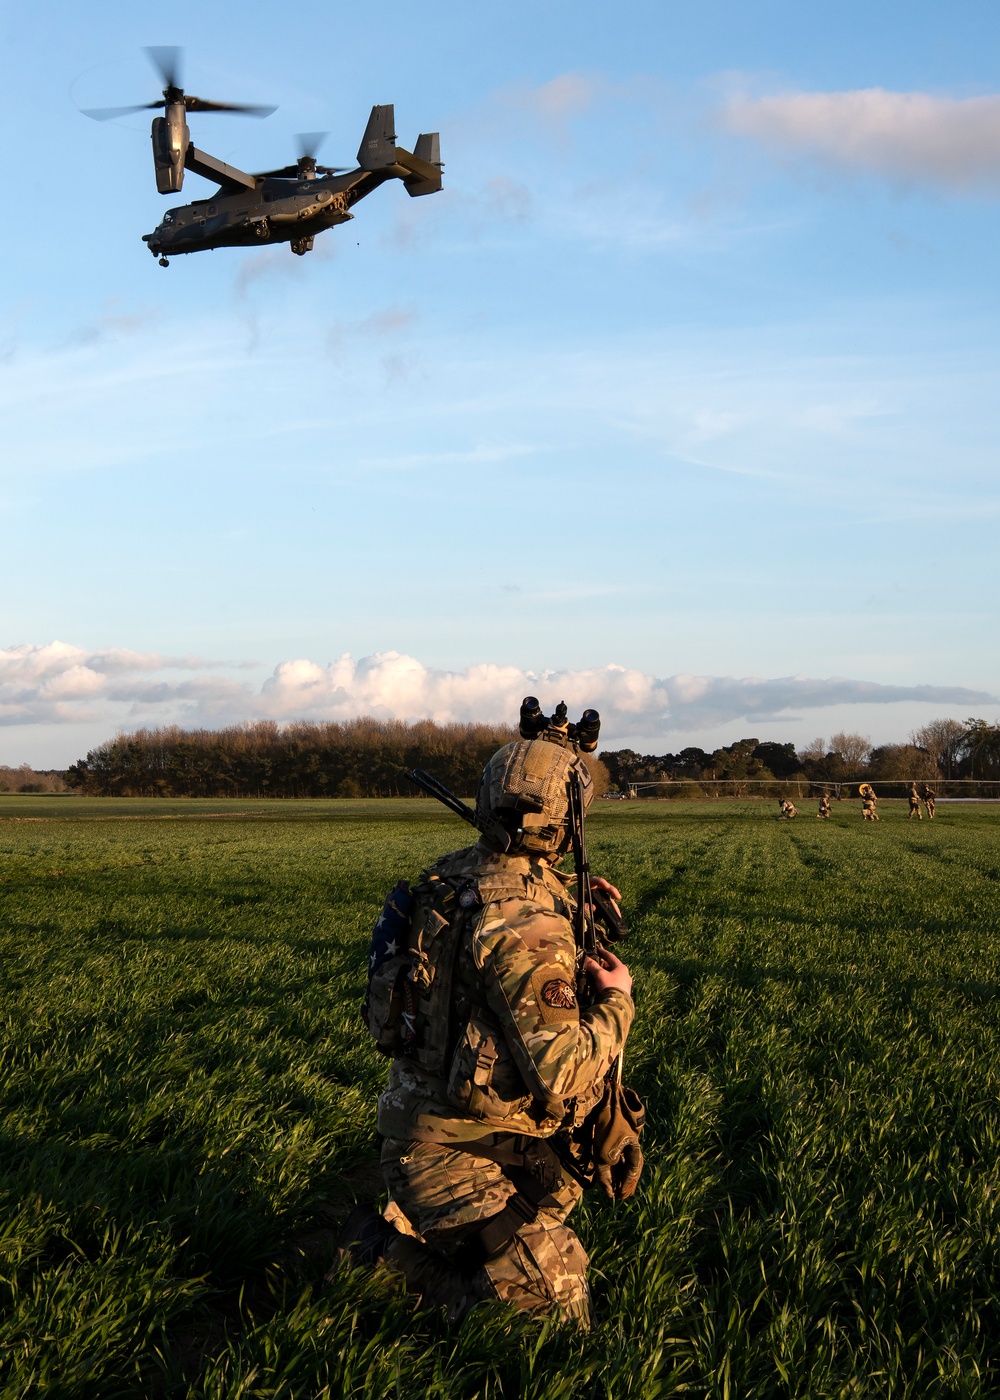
171, 138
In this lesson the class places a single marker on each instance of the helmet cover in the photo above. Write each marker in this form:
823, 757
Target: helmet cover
525, 788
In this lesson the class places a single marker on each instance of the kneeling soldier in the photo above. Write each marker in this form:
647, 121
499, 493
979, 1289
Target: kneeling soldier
502, 1096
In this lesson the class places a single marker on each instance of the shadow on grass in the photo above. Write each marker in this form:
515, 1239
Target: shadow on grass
751, 975
299, 1262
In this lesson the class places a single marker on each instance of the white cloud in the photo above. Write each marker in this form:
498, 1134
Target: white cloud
57, 683
61, 684
909, 136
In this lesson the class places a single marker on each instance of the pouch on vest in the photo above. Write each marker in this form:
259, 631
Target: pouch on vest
437, 923
483, 1080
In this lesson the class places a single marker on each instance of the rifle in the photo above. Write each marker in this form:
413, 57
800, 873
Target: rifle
496, 833
584, 925
605, 1148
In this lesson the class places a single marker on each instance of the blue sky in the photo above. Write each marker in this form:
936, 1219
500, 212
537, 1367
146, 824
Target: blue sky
689, 372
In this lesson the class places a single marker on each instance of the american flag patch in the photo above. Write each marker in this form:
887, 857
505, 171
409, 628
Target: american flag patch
389, 936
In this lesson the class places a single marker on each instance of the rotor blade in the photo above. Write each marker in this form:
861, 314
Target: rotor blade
198, 104
167, 62
307, 143
104, 114
332, 169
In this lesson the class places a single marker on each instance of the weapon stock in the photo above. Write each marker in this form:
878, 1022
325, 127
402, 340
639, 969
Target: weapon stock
437, 789
493, 830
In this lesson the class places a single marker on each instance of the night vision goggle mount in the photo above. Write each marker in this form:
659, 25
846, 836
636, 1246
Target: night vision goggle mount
556, 728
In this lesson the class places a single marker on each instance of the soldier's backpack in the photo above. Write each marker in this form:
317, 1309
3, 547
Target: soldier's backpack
410, 1008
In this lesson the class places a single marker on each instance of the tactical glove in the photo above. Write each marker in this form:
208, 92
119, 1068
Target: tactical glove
618, 1182
611, 1134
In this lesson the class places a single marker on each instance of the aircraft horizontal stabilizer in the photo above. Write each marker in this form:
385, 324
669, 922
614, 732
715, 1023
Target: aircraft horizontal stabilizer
424, 164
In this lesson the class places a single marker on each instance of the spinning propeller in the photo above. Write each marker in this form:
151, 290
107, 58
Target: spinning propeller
306, 168
167, 62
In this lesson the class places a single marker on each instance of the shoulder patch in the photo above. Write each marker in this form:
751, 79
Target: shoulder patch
559, 994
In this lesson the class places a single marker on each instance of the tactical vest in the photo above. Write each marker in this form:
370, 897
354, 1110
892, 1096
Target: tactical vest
414, 1008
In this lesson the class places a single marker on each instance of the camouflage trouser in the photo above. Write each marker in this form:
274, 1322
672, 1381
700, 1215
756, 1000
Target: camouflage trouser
444, 1192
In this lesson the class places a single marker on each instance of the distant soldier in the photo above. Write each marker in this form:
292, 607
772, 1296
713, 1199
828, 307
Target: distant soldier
930, 797
914, 805
824, 806
786, 809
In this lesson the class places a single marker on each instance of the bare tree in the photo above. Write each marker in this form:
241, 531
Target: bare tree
942, 738
902, 763
814, 752
27, 779
852, 749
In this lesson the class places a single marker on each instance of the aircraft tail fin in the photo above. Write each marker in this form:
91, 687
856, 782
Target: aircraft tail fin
378, 145
428, 148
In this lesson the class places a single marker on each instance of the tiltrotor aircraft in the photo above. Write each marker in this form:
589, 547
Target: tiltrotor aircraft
291, 205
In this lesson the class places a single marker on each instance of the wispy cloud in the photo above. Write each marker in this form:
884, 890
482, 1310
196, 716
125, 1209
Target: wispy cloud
914, 137
111, 322
57, 683
871, 431
60, 684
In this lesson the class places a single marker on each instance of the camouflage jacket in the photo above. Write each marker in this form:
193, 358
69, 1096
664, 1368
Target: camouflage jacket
522, 1057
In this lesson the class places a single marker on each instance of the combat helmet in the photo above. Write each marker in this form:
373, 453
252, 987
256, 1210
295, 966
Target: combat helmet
525, 787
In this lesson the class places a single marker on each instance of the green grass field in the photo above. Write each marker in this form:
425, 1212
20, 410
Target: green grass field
189, 1108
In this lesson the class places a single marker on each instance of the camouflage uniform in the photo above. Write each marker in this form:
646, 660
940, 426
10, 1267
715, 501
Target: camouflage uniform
824, 805
523, 1061
914, 805
868, 800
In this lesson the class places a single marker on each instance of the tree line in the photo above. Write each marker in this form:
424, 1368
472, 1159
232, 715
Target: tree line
371, 757
945, 748
356, 758
28, 779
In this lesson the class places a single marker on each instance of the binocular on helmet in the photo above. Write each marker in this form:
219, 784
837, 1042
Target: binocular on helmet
557, 727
